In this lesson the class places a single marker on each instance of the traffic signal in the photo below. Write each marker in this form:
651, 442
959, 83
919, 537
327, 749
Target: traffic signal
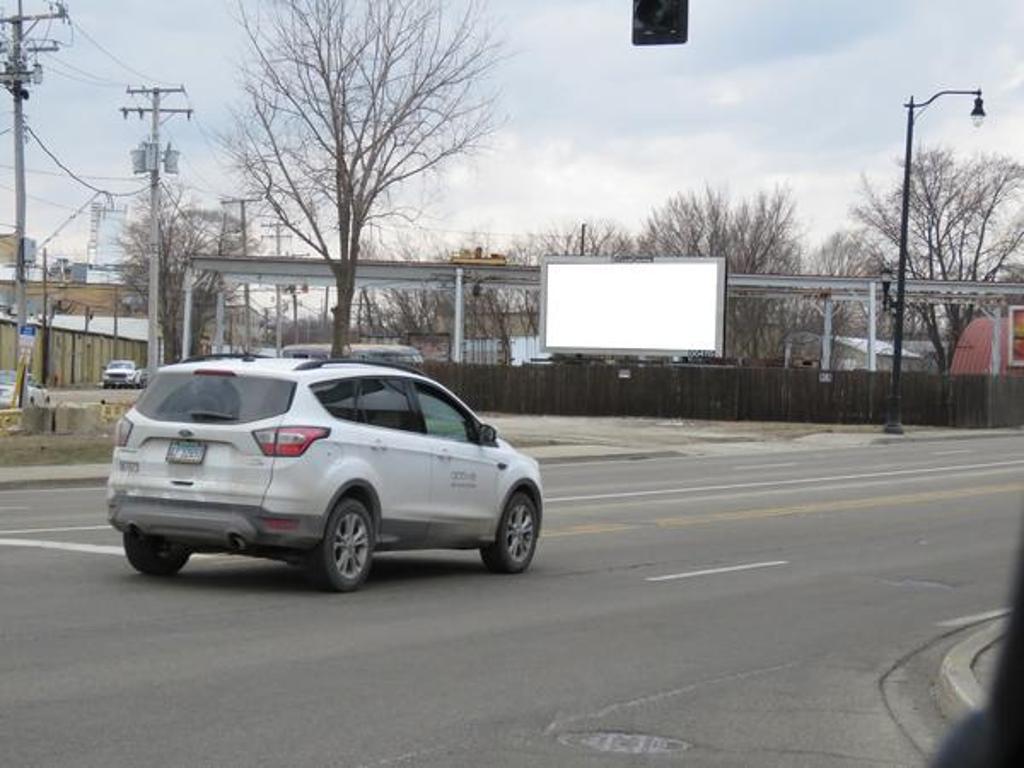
660, 22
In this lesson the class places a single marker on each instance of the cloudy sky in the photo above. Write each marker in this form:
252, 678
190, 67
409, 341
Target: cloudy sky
801, 93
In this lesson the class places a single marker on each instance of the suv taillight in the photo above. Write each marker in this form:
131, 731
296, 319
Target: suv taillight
288, 441
123, 432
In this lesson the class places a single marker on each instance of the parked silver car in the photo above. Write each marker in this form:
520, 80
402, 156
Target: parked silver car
123, 373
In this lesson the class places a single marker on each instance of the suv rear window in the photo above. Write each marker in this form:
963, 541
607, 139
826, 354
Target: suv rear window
212, 399
377, 402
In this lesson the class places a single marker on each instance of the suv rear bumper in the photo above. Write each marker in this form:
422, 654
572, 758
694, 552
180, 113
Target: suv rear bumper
232, 527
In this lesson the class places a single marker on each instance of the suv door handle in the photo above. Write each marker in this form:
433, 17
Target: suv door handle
444, 455
378, 445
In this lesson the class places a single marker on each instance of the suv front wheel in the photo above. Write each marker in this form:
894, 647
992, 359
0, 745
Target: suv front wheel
341, 561
516, 541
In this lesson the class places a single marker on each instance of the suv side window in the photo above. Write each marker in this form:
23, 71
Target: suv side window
442, 418
385, 403
338, 398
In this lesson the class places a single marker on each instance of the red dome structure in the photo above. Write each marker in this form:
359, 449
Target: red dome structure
973, 354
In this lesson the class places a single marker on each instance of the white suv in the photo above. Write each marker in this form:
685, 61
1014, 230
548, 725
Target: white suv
318, 463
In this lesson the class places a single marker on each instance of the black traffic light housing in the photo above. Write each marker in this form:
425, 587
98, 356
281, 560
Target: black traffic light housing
660, 22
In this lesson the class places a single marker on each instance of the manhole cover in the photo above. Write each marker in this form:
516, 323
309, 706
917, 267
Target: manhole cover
623, 743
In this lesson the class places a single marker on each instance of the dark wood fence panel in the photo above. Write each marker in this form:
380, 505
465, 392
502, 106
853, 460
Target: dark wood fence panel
735, 394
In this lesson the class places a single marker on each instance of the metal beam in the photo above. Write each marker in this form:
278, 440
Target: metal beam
186, 321
826, 337
442, 276
218, 331
872, 328
457, 335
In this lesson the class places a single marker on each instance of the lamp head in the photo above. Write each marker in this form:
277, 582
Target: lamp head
978, 113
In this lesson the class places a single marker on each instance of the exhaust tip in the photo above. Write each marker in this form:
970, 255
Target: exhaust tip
235, 542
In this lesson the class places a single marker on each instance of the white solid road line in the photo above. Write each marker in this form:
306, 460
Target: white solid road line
89, 549
775, 483
952, 453
966, 621
67, 529
768, 466
70, 489
712, 571
66, 546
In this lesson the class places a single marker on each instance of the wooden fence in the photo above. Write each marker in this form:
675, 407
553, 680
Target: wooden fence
735, 394
76, 358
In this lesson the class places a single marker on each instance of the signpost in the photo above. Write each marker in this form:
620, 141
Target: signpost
26, 345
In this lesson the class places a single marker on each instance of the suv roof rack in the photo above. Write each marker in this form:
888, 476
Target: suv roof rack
224, 356
312, 365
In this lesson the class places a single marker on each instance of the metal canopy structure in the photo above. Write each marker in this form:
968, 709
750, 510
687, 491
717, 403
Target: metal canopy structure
435, 275
369, 274
427, 275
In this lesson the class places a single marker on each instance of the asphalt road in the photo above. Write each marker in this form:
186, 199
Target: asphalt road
727, 611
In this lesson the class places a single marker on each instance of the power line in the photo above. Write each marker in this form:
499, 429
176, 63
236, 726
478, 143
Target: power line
68, 220
41, 172
42, 200
85, 76
114, 58
72, 174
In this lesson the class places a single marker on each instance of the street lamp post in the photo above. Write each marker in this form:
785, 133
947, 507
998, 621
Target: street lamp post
893, 423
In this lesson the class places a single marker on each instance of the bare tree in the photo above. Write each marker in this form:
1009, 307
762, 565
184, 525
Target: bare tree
757, 236
602, 238
844, 253
186, 230
966, 223
346, 101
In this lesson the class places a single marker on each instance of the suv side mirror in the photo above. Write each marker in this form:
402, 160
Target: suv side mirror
487, 434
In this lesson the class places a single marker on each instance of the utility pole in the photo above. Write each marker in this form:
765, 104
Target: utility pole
15, 77
278, 227
147, 159
116, 302
241, 202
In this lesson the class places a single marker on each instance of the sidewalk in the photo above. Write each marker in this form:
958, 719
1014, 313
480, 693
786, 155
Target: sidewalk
53, 476
566, 437
968, 669
569, 438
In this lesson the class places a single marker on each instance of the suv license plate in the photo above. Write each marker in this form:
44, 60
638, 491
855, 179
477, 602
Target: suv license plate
186, 452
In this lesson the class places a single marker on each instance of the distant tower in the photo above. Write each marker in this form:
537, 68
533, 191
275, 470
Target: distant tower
106, 225
95, 217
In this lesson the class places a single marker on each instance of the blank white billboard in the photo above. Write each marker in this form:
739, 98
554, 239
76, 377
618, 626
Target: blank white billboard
665, 307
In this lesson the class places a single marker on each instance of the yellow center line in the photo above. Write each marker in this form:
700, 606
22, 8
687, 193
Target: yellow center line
581, 530
871, 502
684, 500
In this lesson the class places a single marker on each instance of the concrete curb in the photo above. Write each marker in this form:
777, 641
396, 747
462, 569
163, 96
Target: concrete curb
584, 458
958, 690
56, 482
985, 434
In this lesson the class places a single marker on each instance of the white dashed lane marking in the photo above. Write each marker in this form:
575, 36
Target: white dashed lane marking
713, 571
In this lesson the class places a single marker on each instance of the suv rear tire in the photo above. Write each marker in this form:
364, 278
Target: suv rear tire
516, 540
152, 556
341, 561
